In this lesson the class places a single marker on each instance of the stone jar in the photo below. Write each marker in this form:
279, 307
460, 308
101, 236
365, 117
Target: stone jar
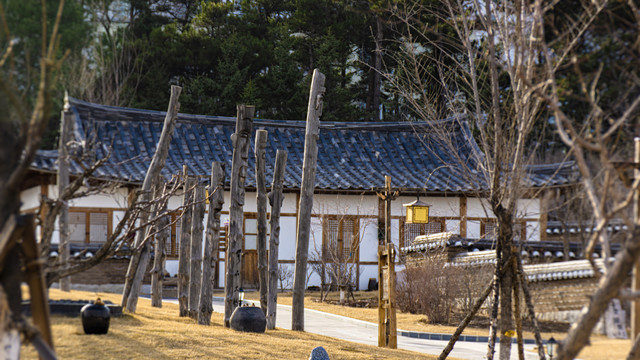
248, 319
95, 318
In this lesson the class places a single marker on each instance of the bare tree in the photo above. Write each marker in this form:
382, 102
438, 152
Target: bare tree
336, 260
487, 66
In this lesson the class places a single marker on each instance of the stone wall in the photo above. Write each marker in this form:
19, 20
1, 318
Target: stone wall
111, 271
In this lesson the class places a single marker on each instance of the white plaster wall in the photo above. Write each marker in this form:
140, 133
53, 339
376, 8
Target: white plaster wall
289, 204
30, 198
528, 208
287, 249
115, 199
171, 266
440, 206
395, 233
222, 272
366, 272
369, 242
174, 202
117, 216
315, 240
533, 231
473, 229
453, 226
475, 208
345, 205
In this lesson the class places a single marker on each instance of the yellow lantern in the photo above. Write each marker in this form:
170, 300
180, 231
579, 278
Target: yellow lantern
417, 212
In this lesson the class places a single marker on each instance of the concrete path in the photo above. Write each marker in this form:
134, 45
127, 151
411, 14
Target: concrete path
363, 332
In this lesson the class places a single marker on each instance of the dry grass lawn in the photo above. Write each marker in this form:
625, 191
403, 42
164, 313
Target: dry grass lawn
601, 347
162, 334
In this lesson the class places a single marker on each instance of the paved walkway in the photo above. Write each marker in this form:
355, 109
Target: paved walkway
363, 332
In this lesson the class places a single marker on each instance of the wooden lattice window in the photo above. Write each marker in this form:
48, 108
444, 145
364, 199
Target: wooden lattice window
89, 226
409, 232
489, 229
340, 238
77, 227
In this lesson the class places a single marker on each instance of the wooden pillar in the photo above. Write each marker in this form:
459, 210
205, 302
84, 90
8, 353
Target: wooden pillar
185, 239
63, 182
195, 246
387, 325
261, 195
463, 216
314, 110
275, 199
241, 144
210, 259
140, 258
635, 281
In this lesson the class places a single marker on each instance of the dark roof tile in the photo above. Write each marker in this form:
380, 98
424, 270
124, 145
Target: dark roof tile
351, 156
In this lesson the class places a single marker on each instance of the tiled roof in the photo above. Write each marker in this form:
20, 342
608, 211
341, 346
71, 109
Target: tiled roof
351, 156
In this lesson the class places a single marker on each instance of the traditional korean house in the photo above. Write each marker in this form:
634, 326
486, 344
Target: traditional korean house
353, 159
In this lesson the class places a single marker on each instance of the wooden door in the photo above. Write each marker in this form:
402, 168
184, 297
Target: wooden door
249, 253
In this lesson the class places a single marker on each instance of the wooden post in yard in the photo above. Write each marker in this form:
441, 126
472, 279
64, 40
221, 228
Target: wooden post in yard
157, 273
314, 110
275, 199
261, 195
210, 259
387, 336
635, 281
185, 241
63, 181
241, 143
142, 254
195, 267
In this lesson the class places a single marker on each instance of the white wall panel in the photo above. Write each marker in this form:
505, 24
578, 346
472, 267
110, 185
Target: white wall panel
30, 198
473, 229
533, 231
453, 226
287, 249
369, 241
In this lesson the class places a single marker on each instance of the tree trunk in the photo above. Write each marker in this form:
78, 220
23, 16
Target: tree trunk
195, 269
275, 199
185, 241
314, 111
63, 181
216, 200
516, 316
261, 195
135, 274
375, 101
241, 144
505, 235
157, 273
466, 321
524, 285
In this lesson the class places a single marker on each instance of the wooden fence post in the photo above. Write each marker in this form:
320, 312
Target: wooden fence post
261, 195
314, 110
140, 258
185, 236
63, 182
195, 269
157, 273
216, 200
241, 143
275, 199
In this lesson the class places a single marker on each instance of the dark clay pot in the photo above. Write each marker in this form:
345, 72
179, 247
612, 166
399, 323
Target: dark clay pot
248, 319
95, 319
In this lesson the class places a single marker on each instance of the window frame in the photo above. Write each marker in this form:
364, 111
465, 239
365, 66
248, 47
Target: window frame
355, 247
